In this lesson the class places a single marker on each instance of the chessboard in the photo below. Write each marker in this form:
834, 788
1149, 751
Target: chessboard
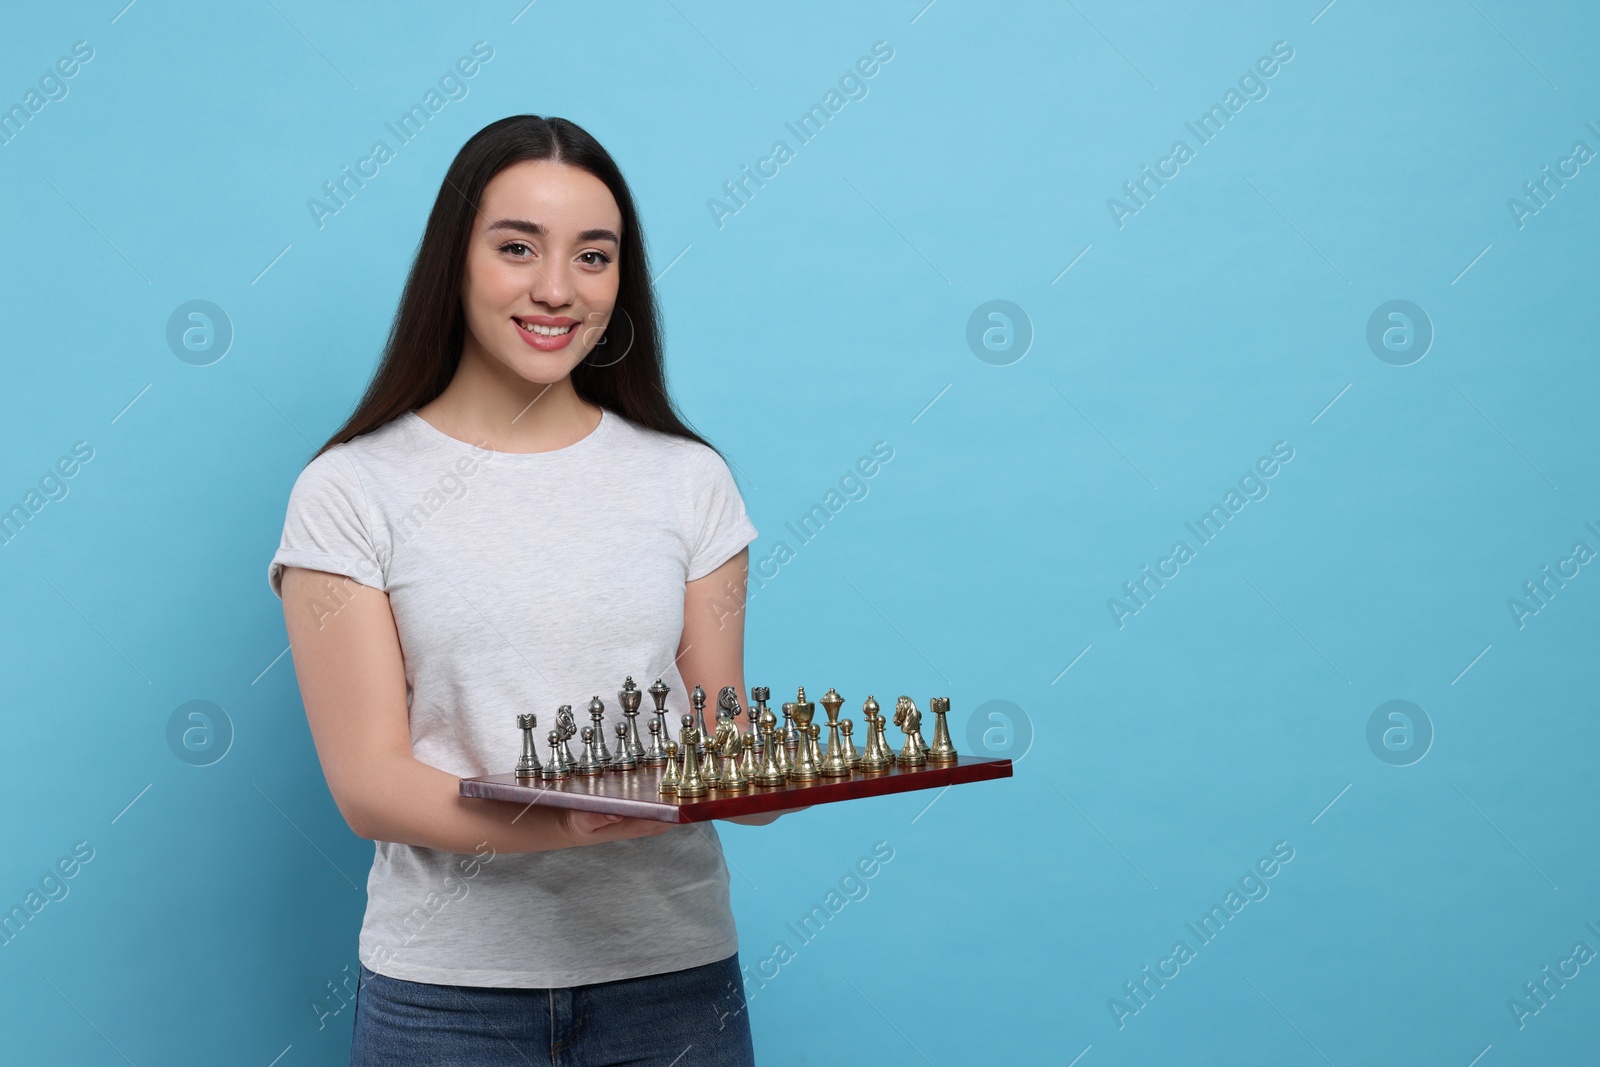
713, 774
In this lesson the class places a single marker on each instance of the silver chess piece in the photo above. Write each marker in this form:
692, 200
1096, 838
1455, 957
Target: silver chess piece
597, 712
554, 769
914, 753
728, 703
623, 760
589, 763
567, 729
629, 696
656, 754
528, 766
942, 750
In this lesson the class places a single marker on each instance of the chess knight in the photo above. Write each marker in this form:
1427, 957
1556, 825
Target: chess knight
906, 716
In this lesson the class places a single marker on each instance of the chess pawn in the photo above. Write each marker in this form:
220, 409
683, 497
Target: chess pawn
914, 753
528, 765
852, 758
655, 754
710, 753
597, 712
749, 764
691, 783
589, 763
623, 760
941, 751
658, 693
791, 740
770, 772
629, 696
554, 769
877, 756
698, 699
668, 785
834, 764
805, 767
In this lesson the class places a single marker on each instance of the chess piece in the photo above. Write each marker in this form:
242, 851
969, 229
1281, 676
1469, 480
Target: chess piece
728, 703
669, 777
655, 754
852, 758
877, 756
629, 696
833, 764
691, 783
749, 764
791, 739
554, 769
656, 757
589, 763
726, 739
623, 760
914, 753
771, 772
805, 763
566, 730
698, 699
528, 765
731, 778
597, 712
942, 750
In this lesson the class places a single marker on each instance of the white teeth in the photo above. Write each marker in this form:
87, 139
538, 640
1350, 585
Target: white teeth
546, 331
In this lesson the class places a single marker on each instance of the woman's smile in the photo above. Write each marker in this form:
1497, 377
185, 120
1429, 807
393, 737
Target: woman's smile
544, 332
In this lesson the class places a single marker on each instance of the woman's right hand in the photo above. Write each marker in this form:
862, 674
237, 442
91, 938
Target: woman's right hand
595, 828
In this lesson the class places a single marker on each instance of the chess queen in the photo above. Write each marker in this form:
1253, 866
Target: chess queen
514, 517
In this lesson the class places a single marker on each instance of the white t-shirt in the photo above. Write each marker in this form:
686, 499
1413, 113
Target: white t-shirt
520, 582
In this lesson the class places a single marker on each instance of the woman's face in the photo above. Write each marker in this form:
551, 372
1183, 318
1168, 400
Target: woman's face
541, 272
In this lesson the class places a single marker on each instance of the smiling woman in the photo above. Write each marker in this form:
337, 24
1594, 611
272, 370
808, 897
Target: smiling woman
598, 528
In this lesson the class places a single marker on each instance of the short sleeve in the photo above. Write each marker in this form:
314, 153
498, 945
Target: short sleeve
326, 527
722, 527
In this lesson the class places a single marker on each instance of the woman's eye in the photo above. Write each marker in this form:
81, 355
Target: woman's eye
515, 244
600, 258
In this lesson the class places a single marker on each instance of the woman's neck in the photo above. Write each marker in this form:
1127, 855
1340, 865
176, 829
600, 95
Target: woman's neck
510, 415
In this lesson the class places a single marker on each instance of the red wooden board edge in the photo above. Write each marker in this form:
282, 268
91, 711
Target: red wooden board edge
634, 793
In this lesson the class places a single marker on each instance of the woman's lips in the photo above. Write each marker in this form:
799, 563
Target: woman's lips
546, 342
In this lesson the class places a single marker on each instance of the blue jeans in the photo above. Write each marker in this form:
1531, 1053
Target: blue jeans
689, 1018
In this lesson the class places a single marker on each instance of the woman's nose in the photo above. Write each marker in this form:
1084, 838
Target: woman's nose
552, 286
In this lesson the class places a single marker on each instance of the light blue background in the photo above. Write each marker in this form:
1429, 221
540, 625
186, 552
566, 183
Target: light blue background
830, 313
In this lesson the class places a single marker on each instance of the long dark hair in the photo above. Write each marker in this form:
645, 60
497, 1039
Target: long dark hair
424, 345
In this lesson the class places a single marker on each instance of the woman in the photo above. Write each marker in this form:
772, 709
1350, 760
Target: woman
515, 518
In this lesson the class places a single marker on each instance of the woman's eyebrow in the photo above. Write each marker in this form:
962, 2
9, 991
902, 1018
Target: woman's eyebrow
533, 229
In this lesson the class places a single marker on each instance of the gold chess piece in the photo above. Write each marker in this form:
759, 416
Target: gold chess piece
771, 772
692, 783
805, 763
942, 750
833, 765
749, 765
668, 785
732, 779
914, 753
852, 758
877, 757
